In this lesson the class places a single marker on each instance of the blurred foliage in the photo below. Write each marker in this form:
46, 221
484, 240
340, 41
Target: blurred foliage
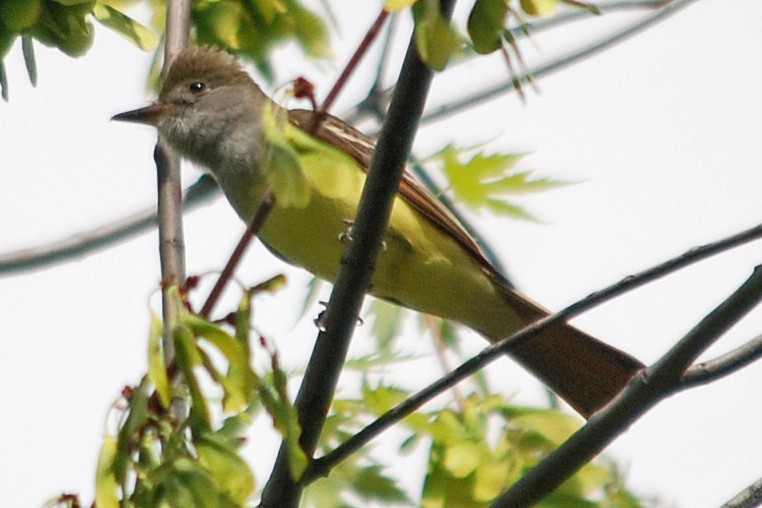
483, 181
159, 458
250, 29
243, 27
474, 451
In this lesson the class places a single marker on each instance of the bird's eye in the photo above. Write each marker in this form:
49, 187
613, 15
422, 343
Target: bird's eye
196, 87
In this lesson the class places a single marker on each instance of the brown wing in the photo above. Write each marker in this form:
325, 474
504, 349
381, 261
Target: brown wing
360, 147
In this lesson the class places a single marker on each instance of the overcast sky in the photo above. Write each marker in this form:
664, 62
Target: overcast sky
661, 135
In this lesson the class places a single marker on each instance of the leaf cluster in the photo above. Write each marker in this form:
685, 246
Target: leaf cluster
473, 450
250, 29
488, 28
486, 181
158, 457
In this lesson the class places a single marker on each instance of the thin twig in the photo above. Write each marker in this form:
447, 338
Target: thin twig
252, 228
706, 372
362, 48
557, 64
86, 242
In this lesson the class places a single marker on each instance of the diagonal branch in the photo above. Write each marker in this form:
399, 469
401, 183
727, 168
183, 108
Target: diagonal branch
711, 370
100, 237
749, 497
557, 64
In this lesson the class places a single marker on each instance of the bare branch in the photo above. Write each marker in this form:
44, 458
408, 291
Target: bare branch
248, 235
749, 497
706, 372
557, 64
100, 237
169, 199
362, 48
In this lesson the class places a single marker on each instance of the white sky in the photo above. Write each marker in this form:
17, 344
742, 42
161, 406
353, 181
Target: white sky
662, 133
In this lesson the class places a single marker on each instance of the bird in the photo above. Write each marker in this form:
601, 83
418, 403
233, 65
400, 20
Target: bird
212, 112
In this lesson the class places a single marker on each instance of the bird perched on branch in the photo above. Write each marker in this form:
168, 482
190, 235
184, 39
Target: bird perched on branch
211, 111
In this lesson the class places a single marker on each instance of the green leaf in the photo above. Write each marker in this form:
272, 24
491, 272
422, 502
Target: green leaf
490, 479
387, 320
372, 485
270, 285
254, 28
435, 38
226, 468
555, 426
311, 33
222, 340
186, 357
287, 422
106, 485
27, 48
275, 400
65, 25
539, 7
238, 382
73, 3
284, 169
157, 370
220, 23
592, 8
461, 459
136, 33
313, 290
18, 15
397, 5
136, 419
485, 25
382, 398
482, 181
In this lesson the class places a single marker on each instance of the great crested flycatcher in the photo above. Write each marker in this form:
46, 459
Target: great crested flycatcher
212, 112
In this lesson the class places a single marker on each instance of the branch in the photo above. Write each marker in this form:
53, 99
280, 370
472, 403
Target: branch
556, 65
169, 205
706, 372
252, 228
100, 237
644, 391
749, 497
321, 466
362, 48
342, 312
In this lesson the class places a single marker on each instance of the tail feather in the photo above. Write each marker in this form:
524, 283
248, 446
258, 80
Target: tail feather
582, 370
